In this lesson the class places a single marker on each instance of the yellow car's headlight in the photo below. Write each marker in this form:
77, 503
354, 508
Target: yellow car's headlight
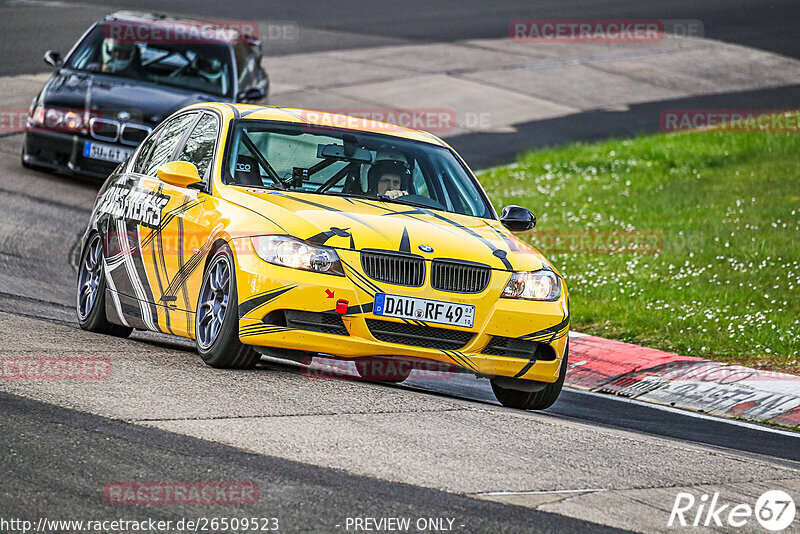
537, 285
290, 252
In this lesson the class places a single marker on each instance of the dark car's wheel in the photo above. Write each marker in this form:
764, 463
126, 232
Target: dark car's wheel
531, 400
383, 369
91, 298
217, 320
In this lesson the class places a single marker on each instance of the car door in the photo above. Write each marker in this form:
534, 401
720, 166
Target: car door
134, 205
180, 243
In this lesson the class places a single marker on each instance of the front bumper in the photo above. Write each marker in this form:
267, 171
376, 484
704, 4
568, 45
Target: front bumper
266, 291
62, 152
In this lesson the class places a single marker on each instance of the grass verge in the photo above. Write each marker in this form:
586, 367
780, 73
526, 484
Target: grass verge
716, 214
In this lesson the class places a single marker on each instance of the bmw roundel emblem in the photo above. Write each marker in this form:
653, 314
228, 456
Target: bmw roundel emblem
123, 115
426, 248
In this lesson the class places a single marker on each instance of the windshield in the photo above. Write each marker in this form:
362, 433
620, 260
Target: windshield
203, 68
350, 163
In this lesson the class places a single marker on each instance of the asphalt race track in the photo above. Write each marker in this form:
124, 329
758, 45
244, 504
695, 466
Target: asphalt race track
323, 451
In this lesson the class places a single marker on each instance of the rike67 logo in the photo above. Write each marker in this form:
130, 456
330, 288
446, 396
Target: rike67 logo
774, 511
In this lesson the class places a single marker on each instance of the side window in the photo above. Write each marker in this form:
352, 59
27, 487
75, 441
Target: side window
144, 152
245, 65
199, 147
171, 133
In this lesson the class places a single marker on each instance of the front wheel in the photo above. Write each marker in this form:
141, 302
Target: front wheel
217, 320
532, 400
91, 298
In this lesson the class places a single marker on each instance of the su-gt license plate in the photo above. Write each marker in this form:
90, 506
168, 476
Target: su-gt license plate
106, 152
434, 311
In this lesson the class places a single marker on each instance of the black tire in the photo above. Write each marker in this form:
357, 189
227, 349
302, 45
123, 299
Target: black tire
92, 314
221, 348
383, 369
533, 400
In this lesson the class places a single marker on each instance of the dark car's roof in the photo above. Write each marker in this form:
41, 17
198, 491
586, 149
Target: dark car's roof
138, 18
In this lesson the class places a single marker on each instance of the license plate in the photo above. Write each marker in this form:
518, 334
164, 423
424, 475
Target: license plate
106, 152
432, 311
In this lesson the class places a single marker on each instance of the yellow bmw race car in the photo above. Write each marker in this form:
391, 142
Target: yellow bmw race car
263, 230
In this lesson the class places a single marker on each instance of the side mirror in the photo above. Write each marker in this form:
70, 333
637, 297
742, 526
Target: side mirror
179, 174
252, 93
517, 218
53, 58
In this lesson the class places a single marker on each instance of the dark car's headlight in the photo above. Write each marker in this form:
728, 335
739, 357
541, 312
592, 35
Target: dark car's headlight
56, 119
537, 285
290, 252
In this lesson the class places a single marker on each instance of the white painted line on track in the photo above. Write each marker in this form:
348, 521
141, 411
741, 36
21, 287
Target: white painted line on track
689, 413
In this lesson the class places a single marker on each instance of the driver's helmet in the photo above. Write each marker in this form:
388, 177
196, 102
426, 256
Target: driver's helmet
388, 166
386, 152
209, 68
117, 56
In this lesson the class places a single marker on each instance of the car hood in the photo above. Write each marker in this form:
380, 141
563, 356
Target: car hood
353, 223
145, 102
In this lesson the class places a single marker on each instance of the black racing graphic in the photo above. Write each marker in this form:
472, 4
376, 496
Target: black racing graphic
134, 204
169, 216
186, 269
349, 215
405, 242
525, 369
423, 211
512, 245
236, 113
361, 281
260, 329
549, 334
262, 298
459, 358
323, 237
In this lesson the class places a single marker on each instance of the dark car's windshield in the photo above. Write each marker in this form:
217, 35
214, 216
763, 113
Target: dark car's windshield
351, 163
205, 68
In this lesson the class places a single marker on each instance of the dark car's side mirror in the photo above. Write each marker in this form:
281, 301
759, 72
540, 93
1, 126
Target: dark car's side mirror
517, 218
252, 93
53, 58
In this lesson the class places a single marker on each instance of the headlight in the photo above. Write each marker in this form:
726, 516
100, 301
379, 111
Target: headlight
538, 285
53, 118
290, 252
72, 120
37, 117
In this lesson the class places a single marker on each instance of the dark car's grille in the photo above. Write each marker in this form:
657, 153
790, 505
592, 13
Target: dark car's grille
133, 134
327, 323
104, 129
519, 348
417, 335
394, 268
459, 277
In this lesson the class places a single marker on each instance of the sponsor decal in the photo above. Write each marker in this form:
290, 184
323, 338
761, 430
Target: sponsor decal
143, 207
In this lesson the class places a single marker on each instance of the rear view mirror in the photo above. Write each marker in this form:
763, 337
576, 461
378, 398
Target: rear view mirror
517, 218
179, 174
338, 152
53, 58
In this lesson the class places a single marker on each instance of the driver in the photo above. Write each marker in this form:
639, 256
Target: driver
389, 178
118, 57
209, 69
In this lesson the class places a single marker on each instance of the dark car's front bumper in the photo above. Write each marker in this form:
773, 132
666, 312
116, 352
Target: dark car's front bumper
62, 152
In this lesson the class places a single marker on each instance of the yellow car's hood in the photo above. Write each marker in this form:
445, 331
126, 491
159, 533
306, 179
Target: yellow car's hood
354, 223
